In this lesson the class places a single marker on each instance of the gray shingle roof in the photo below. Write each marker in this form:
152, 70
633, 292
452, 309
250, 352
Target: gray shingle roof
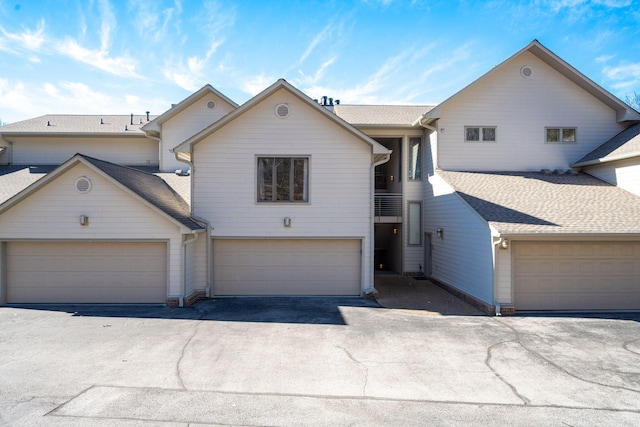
532, 203
623, 145
79, 124
385, 115
14, 179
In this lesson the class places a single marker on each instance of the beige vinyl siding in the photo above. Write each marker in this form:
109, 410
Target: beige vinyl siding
504, 291
577, 275
623, 173
187, 123
86, 272
53, 212
520, 108
286, 267
196, 265
464, 257
224, 180
55, 150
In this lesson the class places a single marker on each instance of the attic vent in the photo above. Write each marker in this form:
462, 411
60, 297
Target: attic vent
526, 71
211, 104
282, 111
83, 185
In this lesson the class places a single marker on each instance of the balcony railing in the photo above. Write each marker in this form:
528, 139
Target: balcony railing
388, 204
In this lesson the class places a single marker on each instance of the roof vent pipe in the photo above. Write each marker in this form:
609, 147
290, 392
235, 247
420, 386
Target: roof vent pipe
337, 102
330, 102
101, 121
324, 101
131, 119
147, 115
48, 123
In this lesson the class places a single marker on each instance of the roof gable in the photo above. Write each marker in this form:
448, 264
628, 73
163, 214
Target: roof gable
147, 188
624, 145
154, 125
623, 111
185, 147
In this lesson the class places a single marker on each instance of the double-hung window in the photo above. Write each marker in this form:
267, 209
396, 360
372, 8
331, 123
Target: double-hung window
480, 133
560, 135
283, 179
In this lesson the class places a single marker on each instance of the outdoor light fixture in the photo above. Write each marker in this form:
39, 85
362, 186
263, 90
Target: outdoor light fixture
84, 220
391, 178
504, 243
395, 230
287, 222
440, 232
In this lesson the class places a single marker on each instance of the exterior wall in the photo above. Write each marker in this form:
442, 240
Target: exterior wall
504, 288
53, 212
53, 150
521, 108
187, 123
196, 265
340, 184
463, 258
624, 174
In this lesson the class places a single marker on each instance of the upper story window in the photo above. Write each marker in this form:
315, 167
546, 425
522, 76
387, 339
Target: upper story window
560, 135
415, 159
283, 179
480, 133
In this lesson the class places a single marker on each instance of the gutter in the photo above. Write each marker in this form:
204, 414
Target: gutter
185, 243
372, 248
498, 241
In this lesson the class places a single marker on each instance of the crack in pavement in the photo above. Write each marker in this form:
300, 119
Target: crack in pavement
182, 353
487, 361
558, 367
361, 364
625, 345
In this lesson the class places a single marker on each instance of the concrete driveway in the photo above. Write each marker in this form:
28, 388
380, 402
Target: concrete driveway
313, 361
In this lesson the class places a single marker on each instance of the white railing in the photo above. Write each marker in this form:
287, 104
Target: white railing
388, 204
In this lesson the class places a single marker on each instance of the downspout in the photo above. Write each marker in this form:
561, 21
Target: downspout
497, 243
372, 213
209, 267
185, 242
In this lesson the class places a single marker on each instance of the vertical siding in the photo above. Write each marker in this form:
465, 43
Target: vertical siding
464, 257
521, 108
187, 123
53, 212
55, 150
624, 174
224, 179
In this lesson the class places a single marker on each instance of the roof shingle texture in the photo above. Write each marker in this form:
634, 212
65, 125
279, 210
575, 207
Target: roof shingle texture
385, 115
79, 124
624, 144
533, 203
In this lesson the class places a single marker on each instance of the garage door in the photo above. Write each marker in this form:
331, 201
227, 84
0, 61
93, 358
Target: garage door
286, 267
577, 276
79, 272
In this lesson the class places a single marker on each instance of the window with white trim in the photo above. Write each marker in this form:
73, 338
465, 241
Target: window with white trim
415, 223
560, 135
283, 179
415, 159
480, 134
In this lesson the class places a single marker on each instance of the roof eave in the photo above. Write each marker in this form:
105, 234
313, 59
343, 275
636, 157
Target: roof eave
605, 160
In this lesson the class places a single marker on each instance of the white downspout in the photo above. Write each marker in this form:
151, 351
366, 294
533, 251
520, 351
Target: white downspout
185, 242
372, 214
497, 242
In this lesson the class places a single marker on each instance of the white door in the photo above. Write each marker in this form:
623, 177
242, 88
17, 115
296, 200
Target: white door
577, 275
86, 272
286, 267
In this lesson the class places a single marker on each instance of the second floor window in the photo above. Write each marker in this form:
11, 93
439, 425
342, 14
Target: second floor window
480, 134
283, 179
560, 135
415, 158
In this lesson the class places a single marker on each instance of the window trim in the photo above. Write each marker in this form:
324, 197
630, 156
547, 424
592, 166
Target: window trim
420, 159
560, 131
307, 189
480, 134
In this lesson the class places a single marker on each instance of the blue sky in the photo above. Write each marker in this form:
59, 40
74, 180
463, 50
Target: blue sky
121, 57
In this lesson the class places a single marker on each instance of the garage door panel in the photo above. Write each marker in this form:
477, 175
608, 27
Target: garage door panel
286, 267
577, 276
86, 272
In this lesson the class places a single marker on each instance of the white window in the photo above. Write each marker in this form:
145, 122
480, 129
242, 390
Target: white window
560, 135
480, 133
415, 223
415, 159
283, 179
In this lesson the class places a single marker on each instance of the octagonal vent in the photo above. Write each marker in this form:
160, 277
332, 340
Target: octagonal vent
83, 184
282, 111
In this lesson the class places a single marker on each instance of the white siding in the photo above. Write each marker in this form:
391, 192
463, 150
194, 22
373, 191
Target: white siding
413, 191
504, 294
224, 179
624, 174
53, 212
54, 150
463, 258
521, 108
196, 265
187, 123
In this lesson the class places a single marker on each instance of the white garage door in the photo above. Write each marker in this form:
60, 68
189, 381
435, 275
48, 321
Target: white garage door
286, 267
577, 276
82, 272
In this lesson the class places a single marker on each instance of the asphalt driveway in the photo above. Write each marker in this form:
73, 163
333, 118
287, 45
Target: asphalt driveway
313, 361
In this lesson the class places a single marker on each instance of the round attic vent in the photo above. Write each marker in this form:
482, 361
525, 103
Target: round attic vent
211, 104
526, 71
282, 111
83, 185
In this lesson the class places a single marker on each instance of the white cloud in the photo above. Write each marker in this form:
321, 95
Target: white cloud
108, 24
192, 75
318, 75
256, 84
624, 77
29, 40
122, 66
320, 37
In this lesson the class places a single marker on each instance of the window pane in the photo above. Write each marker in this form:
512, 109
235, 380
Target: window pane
473, 134
265, 179
568, 135
488, 134
283, 178
415, 223
415, 158
553, 135
300, 180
